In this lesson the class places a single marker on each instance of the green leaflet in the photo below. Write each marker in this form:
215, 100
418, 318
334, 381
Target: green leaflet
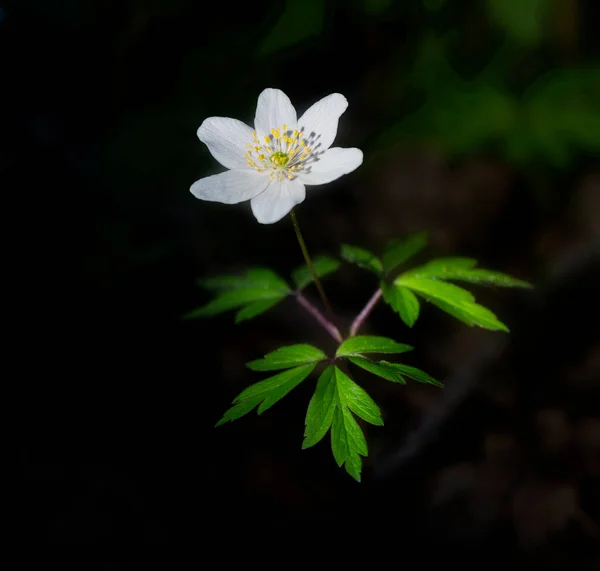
403, 301
331, 407
456, 301
321, 407
233, 299
382, 369
395, 372
254, 292
370, 344
286, 357
400, 250
265, 394
362, 258
254, 278
461, 269
323, 265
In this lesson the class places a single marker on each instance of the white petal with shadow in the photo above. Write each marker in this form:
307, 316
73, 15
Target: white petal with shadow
230, 187
226, 140
278, 200
273, 110
333, 164
322, 119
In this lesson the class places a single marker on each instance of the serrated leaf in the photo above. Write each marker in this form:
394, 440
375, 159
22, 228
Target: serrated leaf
357, 399
263, 389
403, 301
435, 288
471, 314
370, 344
395, 371
254, 278
255, 309
354, 466
362, 257
380, 368
238, 410
461, 269
323, 265
415, 374
319, 415
454, 300
233, 299
399, 251
286, 357
347, 437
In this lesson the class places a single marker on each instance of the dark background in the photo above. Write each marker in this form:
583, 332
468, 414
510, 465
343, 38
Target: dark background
480, 124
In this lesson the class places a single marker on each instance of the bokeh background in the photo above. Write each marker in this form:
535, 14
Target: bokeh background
480, 124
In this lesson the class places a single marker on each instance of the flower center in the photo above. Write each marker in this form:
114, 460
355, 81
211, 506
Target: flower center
284, 153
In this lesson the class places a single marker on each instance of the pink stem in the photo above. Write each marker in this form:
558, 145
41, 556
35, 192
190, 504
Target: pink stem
360, 318
330, 327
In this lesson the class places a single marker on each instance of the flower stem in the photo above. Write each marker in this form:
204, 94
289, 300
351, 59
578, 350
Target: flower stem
310, 265
327, 325
360, 318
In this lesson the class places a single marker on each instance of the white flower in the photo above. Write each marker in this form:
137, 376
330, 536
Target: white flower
271, 165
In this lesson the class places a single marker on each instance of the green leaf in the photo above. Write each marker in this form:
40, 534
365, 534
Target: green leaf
255, 309
395, 372
435, 288
336, 397
266, 393
471, 314
286, 357
382, 369
253, 279
415, 374
399, 251
403, 301
323, 266
362, 257
233, 299
319, 415
347, 442
238, 410
454, 300
370, 344
298, 22
356, 399
461, 269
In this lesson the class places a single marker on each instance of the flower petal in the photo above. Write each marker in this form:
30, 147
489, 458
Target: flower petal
273, 110
230, 187
333, 164
322, 120
226, 140
275, 202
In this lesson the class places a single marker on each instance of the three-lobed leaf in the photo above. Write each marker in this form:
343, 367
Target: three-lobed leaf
286, 357
370, 344
323, 265
332, 407
362, 258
